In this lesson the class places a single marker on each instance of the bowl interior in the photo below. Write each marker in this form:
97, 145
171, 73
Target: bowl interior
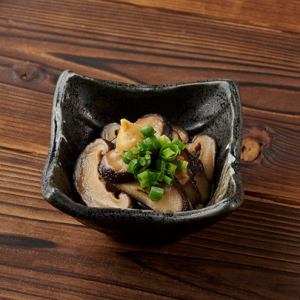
82, 106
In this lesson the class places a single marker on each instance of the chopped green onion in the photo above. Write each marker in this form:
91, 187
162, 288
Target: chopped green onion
172, 169
179, 144
144, 179
127, 157
156, 193
155, 143
167, 180
163, 140
147, 144
135, 150
133, 166
161, 175
154, 176
169, 152
153, 163
142, 161
148, 131
160, 164
182, 165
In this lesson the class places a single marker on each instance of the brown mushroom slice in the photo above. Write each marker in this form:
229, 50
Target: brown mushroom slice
180, 133
174, 199
203, 186
88, 182
113, 169
110, 132
197, 175
185, 178
157, 121
206, 146
192, 193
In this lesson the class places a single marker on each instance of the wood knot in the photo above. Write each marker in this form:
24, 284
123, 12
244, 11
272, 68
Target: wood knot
28, 71
256, 140
250, 149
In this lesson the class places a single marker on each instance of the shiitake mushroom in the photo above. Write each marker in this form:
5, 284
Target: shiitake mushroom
158, 122
204, 147
180, 133
113, 169
100, 164
110, 132
174, 199
88, 182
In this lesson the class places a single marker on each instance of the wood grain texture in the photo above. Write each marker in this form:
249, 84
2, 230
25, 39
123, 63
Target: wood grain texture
256, 13
254, 253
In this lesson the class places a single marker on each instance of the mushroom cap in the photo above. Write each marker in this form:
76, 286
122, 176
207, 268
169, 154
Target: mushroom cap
90, 185
206, 145
174, 199
158, 122
192, 193
113, 169
180, 133
110, 132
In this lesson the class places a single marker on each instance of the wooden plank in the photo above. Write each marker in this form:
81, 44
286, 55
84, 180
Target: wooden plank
254, 13
268, 76
25, 119
258, 61
258, 241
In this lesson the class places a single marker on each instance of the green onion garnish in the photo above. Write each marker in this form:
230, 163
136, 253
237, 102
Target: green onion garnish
182, 165
148, 131
142, 161
133, 166
127, 157
168, 154
167, 180
144, 179
156, 193
179, 144
172, 169
163, 140
154, 163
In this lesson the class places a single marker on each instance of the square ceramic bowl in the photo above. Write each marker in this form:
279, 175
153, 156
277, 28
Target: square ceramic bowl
82, 106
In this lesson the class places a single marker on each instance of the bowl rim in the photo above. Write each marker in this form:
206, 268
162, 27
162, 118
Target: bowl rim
61, 201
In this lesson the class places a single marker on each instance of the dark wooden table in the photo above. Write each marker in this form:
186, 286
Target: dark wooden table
254, 253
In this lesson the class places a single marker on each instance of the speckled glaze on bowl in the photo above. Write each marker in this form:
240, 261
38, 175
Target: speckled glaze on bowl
82, 106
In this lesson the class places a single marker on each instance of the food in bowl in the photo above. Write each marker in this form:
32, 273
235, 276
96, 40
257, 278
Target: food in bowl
149, 164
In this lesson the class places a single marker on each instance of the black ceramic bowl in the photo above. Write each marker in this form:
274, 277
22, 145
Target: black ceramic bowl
82, 106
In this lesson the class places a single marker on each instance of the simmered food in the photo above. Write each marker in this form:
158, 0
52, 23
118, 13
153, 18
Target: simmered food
148, 164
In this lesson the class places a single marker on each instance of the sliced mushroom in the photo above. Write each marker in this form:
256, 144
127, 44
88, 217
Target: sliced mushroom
200, 181
110, 132
197, 176
204, 147
157, 121
174, 199
186, 178
180, 133
113, 169
88, 182
192, 193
